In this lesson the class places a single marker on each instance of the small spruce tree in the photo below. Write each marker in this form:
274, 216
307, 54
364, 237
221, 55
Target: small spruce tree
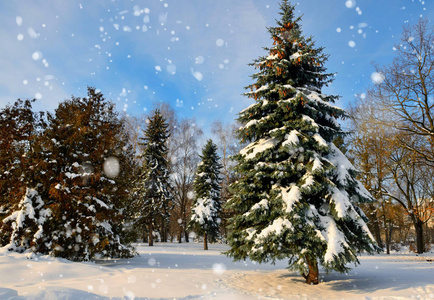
205, 212
154, 200
296, 197
23, 213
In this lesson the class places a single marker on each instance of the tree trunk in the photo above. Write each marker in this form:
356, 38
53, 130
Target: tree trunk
418, 226
376, 225
150, 238
163, 232
388, 237
377, 234
205, 242
186, 236
313, 276
387, 231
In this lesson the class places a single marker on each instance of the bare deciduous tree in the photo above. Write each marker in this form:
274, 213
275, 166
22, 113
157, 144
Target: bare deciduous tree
184, 160
390, 170
228, 144
370, 152
406, 87
414, 185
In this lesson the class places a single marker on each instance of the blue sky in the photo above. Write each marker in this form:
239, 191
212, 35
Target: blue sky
192, 54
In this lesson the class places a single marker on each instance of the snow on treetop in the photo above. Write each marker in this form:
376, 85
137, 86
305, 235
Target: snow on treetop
295, 55
271, 57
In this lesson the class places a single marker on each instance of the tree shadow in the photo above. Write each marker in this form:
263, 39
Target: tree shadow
373, 279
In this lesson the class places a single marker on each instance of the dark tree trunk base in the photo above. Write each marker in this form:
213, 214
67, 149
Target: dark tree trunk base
205, 242
420, 245
313, 276
150, 239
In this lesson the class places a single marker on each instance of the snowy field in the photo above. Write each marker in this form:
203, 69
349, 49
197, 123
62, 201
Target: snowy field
185, 271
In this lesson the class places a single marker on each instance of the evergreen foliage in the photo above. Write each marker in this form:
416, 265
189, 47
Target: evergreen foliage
205, 212
21, 168
296, 197
72, 206
154, 200
87, 208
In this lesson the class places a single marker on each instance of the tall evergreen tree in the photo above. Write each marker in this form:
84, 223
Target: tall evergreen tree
205, 212
86, 159
73, 204
154, 199
296, 197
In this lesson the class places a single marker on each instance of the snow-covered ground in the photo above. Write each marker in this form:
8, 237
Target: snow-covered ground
185, 271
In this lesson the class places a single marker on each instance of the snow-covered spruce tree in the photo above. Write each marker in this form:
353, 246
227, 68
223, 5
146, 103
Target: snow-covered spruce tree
296, 197
205, 212
22, 210
154, 200
84, 165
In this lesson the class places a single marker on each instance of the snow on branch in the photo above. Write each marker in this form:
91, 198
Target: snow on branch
258, 147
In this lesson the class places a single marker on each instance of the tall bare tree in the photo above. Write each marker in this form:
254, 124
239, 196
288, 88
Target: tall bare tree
134, 126
368, 151
228, 144
184, 159
406, 87
391, 170
414, 185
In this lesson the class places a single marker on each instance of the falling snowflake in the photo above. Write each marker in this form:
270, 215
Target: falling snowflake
377, 78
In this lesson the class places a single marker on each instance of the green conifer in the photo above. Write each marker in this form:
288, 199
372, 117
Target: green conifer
205, 212
153, 188
296, 197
